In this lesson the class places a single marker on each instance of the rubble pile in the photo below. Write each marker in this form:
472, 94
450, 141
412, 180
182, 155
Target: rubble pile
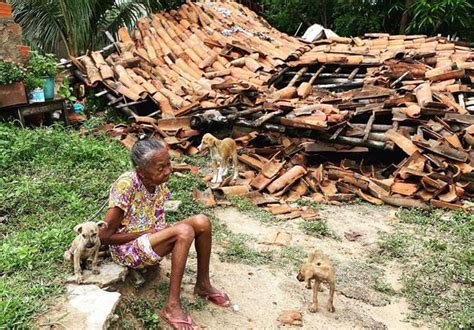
388, 119
197, 56
396, 94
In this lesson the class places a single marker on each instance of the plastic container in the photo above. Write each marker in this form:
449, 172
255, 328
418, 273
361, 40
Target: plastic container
78, 108
48, 88
36, 95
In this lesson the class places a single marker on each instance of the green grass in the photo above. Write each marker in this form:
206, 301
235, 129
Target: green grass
318, 228
245, 205
196, 160
237, 251
145, 310
142, 309
290, 259
51, 179
182, 189
305, 201
384, 288
437, 255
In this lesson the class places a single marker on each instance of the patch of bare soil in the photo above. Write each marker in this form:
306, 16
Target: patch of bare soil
261, 293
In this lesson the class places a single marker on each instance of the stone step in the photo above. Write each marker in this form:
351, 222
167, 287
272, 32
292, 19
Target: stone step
110, 273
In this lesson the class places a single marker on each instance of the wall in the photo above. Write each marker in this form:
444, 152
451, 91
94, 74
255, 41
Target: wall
11, 48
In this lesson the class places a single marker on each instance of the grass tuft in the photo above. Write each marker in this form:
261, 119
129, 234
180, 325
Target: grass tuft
318, 228
436, 252
237, 251
181, 188
245, 205
305, 201
196, 160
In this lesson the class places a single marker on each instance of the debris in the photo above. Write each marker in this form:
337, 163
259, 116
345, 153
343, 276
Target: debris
280, 238
352, 235
205, 197
172, 206
293, 318
384, 118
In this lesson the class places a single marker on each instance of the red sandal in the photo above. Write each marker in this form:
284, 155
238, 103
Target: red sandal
218, 298
177, 323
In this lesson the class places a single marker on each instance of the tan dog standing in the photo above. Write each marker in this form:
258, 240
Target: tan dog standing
86, 245
320, 268
223, 152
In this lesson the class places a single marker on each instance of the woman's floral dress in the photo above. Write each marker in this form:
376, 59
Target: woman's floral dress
142, 211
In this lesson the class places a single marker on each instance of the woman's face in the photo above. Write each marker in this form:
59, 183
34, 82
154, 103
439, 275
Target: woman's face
158, 169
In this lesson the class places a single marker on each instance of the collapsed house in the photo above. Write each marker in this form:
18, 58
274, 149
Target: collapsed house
384, 118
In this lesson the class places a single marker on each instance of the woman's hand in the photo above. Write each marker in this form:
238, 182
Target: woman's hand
154, 230
149, 231
110, 236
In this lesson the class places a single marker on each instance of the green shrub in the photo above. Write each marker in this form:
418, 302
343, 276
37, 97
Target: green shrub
32, 82
42, 65
11, 73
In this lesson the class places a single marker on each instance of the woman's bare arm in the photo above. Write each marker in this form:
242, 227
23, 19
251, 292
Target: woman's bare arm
109, 235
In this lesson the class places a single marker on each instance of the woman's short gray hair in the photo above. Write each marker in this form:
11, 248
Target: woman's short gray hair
142, 150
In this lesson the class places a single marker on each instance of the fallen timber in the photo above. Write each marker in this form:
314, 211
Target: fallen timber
387, 119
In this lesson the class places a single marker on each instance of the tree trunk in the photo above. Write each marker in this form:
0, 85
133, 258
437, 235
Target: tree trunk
405, 17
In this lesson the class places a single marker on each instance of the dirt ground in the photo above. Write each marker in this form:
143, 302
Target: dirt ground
261, 293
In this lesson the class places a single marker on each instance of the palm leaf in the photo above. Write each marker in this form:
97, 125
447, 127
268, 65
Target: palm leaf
78, 24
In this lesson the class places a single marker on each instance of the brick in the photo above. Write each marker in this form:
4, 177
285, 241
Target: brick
5, 10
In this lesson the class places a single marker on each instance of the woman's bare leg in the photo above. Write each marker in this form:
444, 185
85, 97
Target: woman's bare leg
203, 243
177, 240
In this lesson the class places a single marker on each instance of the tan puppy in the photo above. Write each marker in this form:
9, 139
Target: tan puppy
320, 268
223, 152
86, 245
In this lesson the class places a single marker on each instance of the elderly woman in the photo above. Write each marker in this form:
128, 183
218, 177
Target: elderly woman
139, 236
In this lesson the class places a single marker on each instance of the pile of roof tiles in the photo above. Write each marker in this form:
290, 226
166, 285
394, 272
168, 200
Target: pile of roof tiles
198, 55
415, 100
383, 118
413, 106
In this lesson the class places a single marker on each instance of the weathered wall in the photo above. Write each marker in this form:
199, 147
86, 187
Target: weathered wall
10, 36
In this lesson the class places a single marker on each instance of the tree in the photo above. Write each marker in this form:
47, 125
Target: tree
286, 15
453, 17
78, 25
356, 17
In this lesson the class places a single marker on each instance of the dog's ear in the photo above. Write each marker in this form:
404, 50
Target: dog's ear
102, 224
78, 228
311, 256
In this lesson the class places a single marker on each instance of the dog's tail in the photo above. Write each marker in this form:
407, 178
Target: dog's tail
235, 165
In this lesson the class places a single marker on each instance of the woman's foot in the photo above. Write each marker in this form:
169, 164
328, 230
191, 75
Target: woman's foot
174, 315
215, 296
184, 323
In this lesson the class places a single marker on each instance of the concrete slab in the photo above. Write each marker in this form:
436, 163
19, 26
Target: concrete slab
84, 307
92, 304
